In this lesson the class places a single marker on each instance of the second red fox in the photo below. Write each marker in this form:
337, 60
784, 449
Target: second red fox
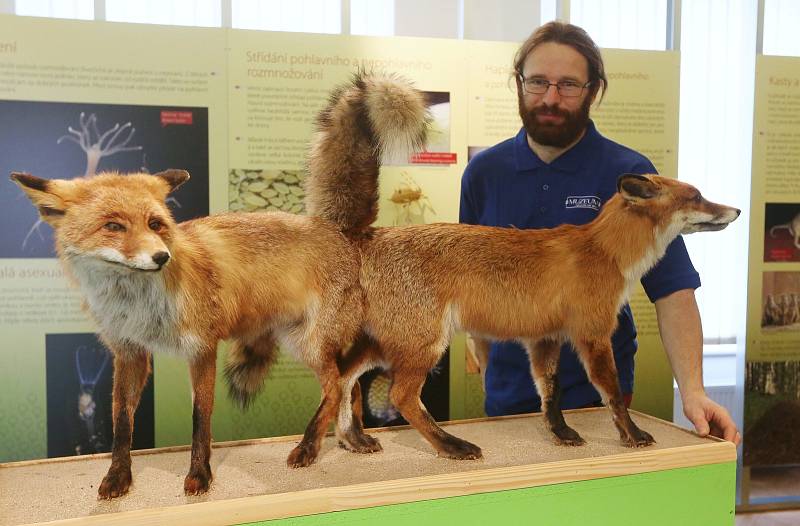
422, 283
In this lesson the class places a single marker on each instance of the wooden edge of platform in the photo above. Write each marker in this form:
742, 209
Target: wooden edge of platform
366, 495
296, 438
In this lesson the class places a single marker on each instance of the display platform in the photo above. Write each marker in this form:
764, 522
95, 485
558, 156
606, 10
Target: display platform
524, 478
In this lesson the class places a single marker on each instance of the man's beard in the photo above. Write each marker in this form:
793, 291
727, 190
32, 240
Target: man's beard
558, 135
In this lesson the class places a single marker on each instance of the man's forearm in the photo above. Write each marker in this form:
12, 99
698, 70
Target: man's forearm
682, 335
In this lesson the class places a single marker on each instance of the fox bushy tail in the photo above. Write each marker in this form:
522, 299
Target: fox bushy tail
246, 368
373, 117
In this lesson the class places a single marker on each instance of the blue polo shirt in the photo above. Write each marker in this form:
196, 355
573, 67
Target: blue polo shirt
508, 185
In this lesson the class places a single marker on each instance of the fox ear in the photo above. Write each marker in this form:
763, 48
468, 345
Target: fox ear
48, 195
635, 188
174, 178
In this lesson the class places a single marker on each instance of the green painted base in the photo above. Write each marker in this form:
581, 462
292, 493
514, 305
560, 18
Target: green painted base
686, 496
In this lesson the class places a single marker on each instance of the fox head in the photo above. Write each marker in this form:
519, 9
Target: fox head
119, 220
674, 206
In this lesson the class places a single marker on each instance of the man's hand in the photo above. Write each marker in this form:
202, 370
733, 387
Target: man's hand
710, 418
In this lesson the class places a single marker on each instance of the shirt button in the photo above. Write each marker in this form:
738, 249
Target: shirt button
545, 187
543, 209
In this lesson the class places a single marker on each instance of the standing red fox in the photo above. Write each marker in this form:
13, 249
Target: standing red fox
539, 287
155, 286
257, 279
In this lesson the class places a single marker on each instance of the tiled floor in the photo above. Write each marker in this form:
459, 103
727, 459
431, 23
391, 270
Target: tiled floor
773, 518
776, 482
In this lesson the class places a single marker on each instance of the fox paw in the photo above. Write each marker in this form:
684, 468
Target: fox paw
198, 480
638, 439
303, 455
566, 436
368, 444
362, 443
458, 449
115, 484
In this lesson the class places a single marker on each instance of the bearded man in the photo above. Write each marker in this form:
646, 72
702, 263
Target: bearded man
560, 170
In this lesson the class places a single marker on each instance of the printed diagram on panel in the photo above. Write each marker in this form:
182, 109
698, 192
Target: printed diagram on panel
266, 190
410, 202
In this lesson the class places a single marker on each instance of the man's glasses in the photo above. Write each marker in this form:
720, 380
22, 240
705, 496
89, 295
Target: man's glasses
539, 86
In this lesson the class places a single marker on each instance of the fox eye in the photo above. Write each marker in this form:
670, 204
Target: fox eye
113, 226
698, 198
155, 224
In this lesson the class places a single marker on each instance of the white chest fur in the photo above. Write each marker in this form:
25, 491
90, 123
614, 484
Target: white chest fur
134, 307
661, 240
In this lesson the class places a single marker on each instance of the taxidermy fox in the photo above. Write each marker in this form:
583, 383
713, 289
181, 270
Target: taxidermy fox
155, 286
540, 287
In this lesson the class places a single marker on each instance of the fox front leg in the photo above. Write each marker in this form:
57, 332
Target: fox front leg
203, 370
598, 359
130, 376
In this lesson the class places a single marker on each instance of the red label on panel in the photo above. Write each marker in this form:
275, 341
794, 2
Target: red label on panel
433, 158
780, 254
175, 117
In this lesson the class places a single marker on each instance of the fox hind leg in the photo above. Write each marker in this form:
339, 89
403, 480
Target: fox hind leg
361, 357
307, 451
350, 424
340, 393
131, 369
544, 356
360, 442
405, 395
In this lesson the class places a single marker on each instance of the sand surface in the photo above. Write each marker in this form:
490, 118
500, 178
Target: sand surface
45, 491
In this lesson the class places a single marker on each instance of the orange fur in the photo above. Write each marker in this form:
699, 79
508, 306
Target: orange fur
156, 286
539, 287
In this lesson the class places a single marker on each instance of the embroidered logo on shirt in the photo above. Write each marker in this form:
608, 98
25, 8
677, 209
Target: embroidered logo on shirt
583, 201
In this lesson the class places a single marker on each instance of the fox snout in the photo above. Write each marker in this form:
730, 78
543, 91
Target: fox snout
143, 260
160, 258
153, 261
711, 218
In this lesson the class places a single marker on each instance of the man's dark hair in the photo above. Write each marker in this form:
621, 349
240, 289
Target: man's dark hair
572, 36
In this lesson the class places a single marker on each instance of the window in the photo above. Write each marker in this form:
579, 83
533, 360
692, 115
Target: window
372, 17
625, 24
716, 136
780, 27
311, 16
205, 13
81, 9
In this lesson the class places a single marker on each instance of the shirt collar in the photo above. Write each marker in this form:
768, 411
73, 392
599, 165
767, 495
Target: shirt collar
569, 161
